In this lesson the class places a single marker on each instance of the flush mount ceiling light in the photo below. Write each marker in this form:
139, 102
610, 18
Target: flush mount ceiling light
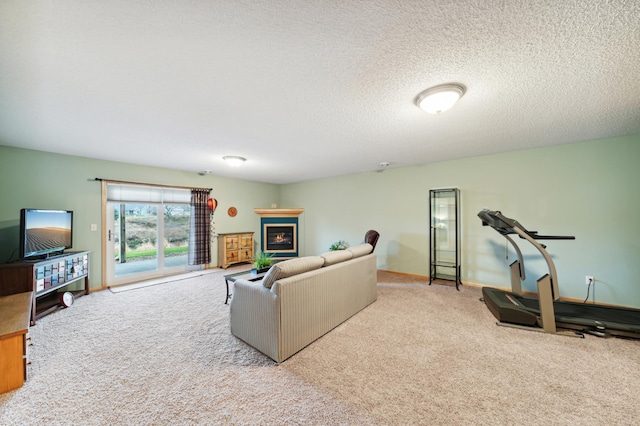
234, 161
440, 98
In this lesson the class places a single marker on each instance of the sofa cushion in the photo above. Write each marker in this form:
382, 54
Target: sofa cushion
291, 267
361, 250
337, 256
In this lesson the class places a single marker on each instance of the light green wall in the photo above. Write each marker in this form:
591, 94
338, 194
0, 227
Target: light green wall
37, 179
586, 189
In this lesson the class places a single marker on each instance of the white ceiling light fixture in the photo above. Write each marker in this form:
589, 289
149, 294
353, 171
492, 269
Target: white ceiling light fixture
440, 98
234, 160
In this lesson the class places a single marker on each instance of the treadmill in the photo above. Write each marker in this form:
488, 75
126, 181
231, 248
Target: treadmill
547, 312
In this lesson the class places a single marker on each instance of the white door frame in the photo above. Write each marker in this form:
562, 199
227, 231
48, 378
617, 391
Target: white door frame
108, 263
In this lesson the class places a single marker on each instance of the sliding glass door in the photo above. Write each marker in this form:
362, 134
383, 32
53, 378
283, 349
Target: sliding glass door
147, 233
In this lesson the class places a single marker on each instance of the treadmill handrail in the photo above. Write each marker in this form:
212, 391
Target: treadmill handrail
552, 237
506, 225
555, 292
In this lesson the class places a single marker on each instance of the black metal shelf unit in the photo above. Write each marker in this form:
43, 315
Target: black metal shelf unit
444, 235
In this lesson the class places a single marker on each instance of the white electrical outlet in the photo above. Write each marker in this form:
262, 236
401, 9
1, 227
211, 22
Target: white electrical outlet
589, 280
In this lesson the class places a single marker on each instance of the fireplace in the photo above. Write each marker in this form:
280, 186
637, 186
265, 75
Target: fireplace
279, 232
280, 237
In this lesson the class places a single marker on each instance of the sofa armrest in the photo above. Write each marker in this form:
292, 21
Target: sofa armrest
255, 315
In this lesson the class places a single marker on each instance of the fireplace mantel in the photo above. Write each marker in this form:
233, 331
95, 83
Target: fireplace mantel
279, 212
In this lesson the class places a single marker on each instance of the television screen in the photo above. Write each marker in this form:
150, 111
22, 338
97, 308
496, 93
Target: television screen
44, 231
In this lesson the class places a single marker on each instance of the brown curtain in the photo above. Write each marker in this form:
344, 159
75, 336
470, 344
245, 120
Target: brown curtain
199, 241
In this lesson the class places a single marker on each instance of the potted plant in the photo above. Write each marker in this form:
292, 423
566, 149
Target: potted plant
339, 245
262, 261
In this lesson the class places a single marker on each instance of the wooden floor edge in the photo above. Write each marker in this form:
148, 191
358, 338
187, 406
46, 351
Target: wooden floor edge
426, 278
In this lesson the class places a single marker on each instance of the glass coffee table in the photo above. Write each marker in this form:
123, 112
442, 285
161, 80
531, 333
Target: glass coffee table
244, 275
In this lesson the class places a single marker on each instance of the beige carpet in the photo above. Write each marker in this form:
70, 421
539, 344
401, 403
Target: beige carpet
163, 355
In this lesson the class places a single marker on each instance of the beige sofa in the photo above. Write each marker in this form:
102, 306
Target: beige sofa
301, 299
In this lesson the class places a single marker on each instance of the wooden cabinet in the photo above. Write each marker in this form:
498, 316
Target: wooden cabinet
15, 312
235, 248
46, 278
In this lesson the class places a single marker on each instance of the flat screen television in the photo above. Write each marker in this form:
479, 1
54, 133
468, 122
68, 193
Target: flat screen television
44, 233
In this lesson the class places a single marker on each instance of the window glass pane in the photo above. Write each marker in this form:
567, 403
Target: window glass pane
176, 234
136, 245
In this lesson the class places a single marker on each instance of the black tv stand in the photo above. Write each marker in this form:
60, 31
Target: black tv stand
46, 278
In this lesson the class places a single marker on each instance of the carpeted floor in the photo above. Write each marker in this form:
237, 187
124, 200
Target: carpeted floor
163, 355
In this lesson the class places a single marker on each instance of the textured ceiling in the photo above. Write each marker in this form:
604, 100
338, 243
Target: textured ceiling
306, 90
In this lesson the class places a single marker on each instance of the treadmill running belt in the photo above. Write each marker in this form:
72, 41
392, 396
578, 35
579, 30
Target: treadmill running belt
515, 309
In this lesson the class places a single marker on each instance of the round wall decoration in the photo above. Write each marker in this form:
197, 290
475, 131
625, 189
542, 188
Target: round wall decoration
232, 211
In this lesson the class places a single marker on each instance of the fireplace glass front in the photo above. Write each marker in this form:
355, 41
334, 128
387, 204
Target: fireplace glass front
280, 238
